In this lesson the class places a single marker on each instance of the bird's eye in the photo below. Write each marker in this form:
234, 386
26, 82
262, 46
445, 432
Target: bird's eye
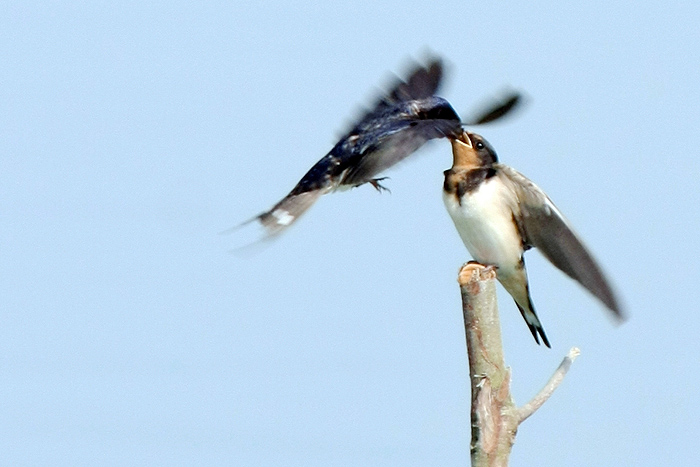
480, 145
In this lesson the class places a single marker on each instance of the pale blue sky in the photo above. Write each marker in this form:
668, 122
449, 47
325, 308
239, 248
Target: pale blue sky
132, 134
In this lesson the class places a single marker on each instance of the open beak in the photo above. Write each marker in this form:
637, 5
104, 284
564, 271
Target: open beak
463, 152
464, 139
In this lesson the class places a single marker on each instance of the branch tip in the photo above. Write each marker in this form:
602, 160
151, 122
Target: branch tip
573, 353
545, 393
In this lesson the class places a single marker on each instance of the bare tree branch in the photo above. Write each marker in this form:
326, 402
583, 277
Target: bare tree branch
528, 409
494, 415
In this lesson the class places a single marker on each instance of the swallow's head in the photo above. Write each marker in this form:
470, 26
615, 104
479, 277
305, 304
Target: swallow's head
487, 155
433, 108
472, 151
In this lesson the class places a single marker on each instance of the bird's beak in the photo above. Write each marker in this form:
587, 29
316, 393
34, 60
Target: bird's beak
463, 151
461, 143
464, 139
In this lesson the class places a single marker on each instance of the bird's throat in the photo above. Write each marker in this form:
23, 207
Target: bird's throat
464, 155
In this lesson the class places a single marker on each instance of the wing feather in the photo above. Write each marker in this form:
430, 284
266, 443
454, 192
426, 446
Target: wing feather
544, 227
393, 145
423, 81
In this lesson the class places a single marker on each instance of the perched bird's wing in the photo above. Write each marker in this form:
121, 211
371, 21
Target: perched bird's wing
544, 227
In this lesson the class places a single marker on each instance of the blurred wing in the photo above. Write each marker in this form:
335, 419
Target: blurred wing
545, 228
331, 170
422, 82
497, 110
396, 143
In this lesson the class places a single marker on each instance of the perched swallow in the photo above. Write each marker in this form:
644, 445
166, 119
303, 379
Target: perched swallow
500, 214
398, 125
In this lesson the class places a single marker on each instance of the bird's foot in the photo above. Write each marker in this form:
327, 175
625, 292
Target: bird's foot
378, 186
485, 266
473, 271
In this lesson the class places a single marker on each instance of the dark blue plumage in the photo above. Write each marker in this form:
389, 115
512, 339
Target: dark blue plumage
379, 141
398, 125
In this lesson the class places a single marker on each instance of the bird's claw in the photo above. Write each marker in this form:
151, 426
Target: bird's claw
378, 186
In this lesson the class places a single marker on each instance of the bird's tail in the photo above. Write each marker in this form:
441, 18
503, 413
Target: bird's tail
533, 322
517, 286
283, 214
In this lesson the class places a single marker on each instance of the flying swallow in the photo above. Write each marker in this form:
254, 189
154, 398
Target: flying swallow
398, 125
500, 214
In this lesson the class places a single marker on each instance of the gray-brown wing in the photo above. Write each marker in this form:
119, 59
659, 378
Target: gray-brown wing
545, 228
393, 143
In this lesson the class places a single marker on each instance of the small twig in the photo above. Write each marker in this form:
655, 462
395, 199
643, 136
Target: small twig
541, 397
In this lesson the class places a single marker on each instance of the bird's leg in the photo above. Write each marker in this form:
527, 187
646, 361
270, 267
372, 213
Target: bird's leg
378, 186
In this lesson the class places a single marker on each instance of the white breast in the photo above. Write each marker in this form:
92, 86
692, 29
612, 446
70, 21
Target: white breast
484, 220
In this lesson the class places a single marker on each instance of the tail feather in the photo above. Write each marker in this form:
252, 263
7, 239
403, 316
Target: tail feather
283, 214
287, 211
533, 322
514, 280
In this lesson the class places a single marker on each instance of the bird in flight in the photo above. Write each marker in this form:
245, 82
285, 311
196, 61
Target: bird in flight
500, 214
400, 123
